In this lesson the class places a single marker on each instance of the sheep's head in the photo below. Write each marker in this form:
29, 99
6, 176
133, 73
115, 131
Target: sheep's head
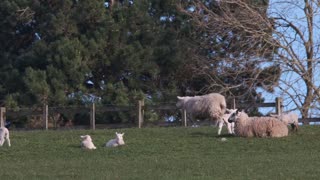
86, 137
119, 136
242, 115
231, 115
231, 111
181, 101
236, 116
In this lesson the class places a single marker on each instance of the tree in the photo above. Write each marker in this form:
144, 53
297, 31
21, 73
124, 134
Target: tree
54, 48
232, 53
288, 31
296, 35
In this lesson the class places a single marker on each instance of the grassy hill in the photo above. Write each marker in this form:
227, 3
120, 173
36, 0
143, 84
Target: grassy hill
161, 153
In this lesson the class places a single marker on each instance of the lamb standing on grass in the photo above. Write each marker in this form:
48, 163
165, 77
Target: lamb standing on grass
211, 106
4, 136
225, 119
246, 126
87, 142
118, 141
290, 119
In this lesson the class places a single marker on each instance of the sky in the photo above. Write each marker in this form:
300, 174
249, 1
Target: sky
293, 11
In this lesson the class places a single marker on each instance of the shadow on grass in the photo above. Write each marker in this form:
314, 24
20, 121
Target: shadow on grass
76, 146
201, 134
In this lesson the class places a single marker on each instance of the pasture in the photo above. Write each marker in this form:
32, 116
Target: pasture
161, 153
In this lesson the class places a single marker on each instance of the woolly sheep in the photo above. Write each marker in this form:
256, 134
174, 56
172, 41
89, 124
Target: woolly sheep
4, 136
246, 126
118, 141
211, 106
225, 119
86, 142
290, 119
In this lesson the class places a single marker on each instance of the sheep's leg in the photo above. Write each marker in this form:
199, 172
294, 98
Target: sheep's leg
232, 128
8, 139
1, 140
294, 127
220, 124
229, 127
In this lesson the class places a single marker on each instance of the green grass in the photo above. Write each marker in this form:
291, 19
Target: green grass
161, 153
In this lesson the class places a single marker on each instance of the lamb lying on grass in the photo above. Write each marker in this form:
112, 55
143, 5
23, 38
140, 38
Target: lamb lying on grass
4, 136
118, 141
211, 106
246, 126
290, 119
225, 119
86, 142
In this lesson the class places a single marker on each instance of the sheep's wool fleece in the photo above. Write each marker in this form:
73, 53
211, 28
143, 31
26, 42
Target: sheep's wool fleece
259, 127
211, 105
291, 118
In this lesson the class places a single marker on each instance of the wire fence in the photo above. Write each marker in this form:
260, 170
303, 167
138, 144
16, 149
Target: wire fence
111, 116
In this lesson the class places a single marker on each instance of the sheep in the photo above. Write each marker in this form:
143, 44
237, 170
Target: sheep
225, 119
86, 142
211, 106
4, 136
290, 119
246, 126
118, 141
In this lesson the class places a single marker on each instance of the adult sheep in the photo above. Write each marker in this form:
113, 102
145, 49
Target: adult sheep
211, 106
290, 119
246, 126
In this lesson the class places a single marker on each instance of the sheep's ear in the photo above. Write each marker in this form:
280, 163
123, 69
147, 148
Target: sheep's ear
83, 136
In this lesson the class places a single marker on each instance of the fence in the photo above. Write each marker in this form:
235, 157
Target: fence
139, 109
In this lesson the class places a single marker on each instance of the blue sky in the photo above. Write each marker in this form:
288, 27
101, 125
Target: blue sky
291, 81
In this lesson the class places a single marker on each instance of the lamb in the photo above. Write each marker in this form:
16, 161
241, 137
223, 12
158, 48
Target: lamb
246, 126
290, 119
118, 141
4, 136
211, 106
86, 142
225, 119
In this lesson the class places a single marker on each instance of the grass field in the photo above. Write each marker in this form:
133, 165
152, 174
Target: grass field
161, 153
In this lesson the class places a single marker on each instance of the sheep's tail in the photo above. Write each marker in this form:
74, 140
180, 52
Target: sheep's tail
223, 107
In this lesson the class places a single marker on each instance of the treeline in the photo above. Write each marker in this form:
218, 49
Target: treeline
70, 52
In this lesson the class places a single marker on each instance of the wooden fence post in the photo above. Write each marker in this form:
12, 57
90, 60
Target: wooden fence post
233, 105
140, 112
279, 106
2, 116
45, 116
93, 117
184, 117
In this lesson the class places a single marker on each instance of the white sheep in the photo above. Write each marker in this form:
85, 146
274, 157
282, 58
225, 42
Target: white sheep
225, 119
4, 136
246, 126
86, 142
211, 106
290, 119
118, 141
